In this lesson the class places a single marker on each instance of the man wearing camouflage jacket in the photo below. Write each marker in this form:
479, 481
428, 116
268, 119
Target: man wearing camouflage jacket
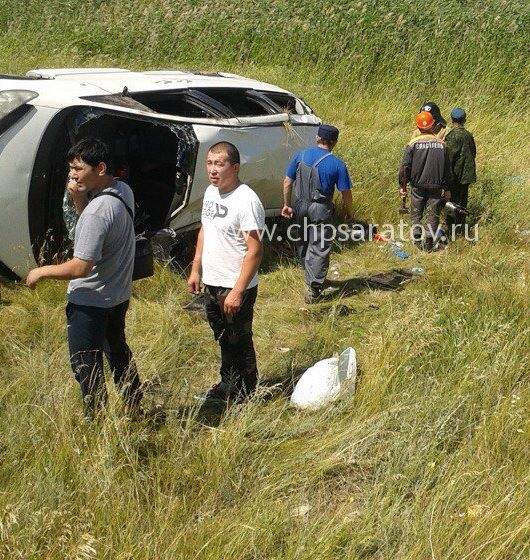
462, 153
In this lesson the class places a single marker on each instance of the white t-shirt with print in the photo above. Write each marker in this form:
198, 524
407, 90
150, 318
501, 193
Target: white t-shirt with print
224, 219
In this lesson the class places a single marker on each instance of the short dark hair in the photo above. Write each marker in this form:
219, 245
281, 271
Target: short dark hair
232, 152
92, 151
325, 142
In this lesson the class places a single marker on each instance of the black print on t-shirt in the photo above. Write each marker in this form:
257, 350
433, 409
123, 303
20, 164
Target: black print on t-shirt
213, 210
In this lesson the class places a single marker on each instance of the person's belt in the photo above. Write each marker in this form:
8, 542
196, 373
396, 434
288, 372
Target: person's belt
428, 187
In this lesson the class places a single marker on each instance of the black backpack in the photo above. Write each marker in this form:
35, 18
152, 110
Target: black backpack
143, 252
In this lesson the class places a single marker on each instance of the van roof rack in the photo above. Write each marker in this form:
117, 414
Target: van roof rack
15, 77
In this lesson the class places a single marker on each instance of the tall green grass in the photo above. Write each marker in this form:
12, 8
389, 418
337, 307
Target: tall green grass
429, 459
410, 43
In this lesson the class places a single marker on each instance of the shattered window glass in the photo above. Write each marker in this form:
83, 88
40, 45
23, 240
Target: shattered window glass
69, 215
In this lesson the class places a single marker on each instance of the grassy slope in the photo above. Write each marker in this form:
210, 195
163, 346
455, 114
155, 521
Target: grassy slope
430, 458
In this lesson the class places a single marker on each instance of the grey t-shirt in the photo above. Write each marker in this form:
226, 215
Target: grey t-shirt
105, 234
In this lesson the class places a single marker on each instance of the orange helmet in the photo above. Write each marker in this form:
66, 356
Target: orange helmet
424, 120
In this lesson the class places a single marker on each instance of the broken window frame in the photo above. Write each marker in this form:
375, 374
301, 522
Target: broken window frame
199, 98
120, 100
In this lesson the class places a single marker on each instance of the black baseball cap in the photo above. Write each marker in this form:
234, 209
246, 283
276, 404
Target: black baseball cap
434, 110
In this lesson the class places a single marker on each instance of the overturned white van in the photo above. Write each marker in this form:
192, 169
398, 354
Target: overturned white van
159, 125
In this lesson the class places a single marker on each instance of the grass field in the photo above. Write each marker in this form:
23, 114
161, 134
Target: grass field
429, 460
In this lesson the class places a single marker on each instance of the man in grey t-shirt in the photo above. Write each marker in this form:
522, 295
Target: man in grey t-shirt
100, 275
104, 234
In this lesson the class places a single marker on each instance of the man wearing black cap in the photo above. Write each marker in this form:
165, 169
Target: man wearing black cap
314, 173
462, 153
440, 124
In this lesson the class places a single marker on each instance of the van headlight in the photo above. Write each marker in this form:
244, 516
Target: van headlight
12, 99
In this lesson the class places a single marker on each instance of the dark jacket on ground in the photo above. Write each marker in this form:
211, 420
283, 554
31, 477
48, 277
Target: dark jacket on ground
426, 164
462, 153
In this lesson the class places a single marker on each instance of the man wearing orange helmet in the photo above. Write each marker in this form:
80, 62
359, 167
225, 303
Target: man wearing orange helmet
440, 124
426, 167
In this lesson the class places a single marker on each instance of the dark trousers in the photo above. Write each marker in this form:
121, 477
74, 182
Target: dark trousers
314, 243
459, 195
92, 332
428, 204
239, 370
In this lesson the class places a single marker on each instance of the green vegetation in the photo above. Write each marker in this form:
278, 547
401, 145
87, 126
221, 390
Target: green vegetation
429, 459
411, 43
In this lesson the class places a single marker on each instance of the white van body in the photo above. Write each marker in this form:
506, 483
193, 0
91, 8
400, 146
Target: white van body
160, 125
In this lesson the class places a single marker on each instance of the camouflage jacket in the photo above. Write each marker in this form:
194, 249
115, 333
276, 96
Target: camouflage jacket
462, 153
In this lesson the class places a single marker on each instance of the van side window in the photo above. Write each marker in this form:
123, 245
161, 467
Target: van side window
208, 102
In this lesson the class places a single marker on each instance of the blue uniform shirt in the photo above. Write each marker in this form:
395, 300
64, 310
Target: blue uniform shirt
332, 171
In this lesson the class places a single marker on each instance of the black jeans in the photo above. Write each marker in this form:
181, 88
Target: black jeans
239, 370
92, 332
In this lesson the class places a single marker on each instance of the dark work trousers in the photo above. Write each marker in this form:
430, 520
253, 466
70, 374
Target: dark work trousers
92, 332
315, 237
459, 195
234, 334
428, 203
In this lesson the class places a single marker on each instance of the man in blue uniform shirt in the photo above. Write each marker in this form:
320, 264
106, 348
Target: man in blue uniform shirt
308, 187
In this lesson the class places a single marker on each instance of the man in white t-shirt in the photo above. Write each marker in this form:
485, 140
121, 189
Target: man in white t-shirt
228, 254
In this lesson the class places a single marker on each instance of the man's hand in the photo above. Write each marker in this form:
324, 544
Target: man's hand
447, 196
33, 277
232, 302
403, 191
287, 211
78, 195
194, 283
69, 270
74, 190
194, 279
347, 205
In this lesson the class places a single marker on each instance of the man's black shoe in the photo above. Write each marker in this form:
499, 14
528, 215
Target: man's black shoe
224, 393
220, 392
135, 412
312, 295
